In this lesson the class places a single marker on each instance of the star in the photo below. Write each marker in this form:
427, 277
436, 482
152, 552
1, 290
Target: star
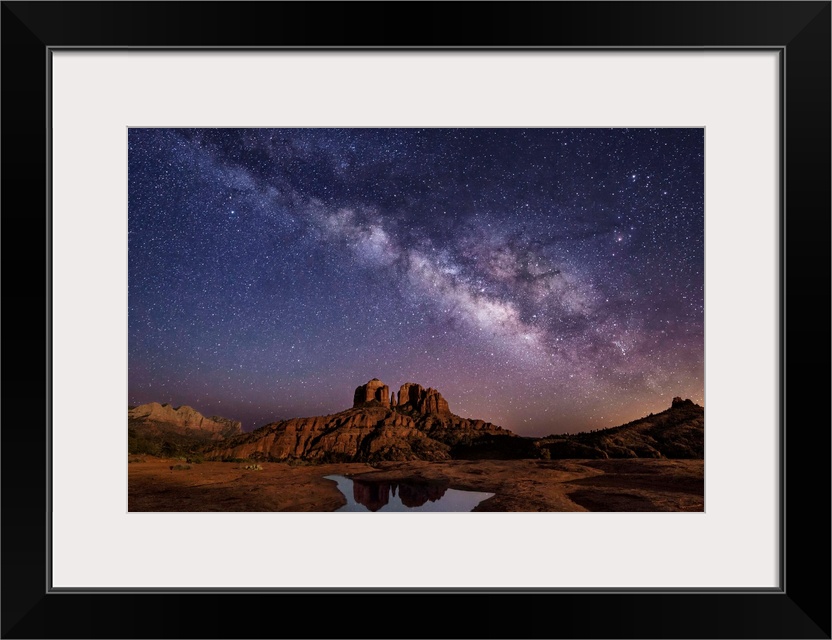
271, 271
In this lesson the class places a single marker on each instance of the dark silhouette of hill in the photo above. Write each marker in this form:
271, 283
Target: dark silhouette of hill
678, 432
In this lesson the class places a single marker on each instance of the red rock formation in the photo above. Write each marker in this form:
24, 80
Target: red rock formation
419, 426
415, 495
230, 426
422, 400
370, 433
183, 416
374, 390
409, 394
433, 402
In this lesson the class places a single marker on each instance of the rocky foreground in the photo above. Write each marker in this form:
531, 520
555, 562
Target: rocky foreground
518, 485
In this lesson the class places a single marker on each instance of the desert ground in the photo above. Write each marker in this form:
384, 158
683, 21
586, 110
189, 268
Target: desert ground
158, 484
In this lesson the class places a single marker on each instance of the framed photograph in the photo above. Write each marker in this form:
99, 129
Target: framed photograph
484, 240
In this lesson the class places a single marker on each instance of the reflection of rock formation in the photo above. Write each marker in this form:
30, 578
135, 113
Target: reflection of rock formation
415, 495
375, 494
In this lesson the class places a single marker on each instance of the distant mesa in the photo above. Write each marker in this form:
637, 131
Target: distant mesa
184, 417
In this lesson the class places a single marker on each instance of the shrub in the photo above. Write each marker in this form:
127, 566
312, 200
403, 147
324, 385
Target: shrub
298, 462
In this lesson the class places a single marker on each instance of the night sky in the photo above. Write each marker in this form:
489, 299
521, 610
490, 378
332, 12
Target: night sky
546, 280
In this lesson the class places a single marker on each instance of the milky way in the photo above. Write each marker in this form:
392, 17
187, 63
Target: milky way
546, 280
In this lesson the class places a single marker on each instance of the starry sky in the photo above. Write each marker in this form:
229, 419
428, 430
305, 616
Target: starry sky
546, 280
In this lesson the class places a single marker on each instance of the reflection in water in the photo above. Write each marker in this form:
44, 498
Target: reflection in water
374, 495
382, 495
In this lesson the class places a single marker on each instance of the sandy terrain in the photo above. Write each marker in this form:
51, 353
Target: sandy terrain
518, 485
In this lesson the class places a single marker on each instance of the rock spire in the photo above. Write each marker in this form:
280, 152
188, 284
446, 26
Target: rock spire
411, 397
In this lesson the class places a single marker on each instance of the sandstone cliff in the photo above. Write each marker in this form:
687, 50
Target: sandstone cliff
162, 430
411, 398
414, 397
184, 417
374, 392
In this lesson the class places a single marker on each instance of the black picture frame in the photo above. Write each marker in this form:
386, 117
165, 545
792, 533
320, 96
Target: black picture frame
799, 31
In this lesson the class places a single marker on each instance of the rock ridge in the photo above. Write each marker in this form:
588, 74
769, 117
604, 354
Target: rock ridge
677, 432
183, 416
412, 397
